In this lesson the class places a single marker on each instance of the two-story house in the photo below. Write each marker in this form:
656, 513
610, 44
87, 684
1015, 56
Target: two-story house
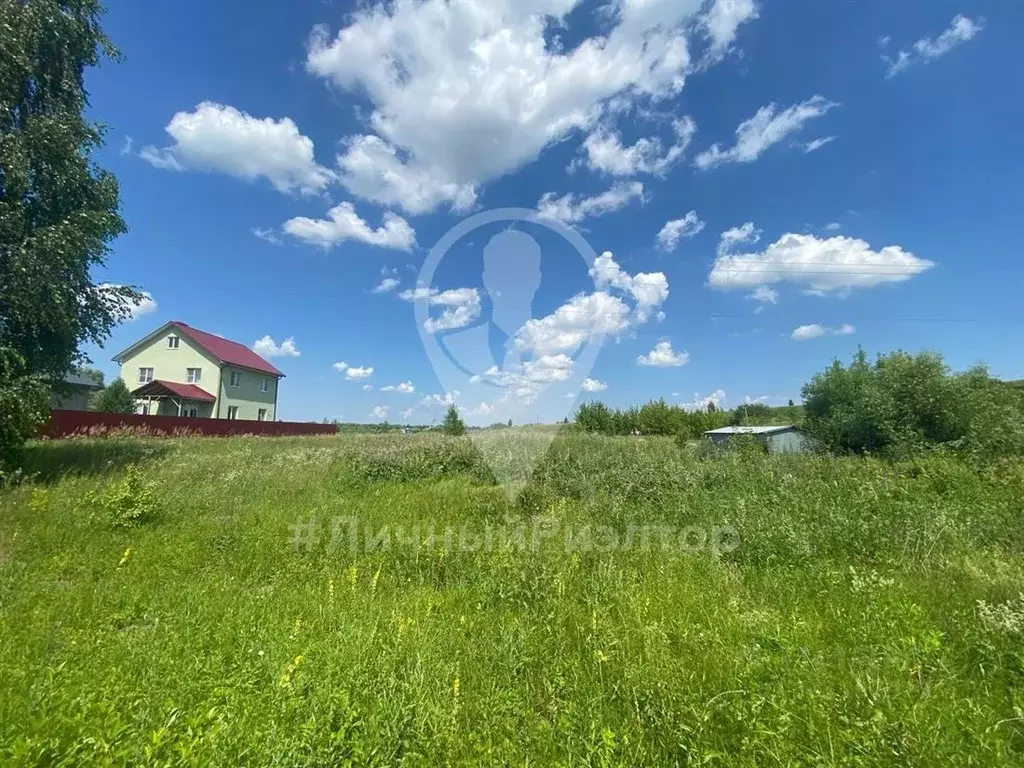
178, 370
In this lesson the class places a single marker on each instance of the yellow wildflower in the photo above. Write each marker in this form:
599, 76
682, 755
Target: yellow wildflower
124, 558
289, 670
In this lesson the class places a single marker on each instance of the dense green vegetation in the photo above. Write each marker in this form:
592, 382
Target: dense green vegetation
660, 418
898, 405
904, 403
155, 609
114, 398
58, 209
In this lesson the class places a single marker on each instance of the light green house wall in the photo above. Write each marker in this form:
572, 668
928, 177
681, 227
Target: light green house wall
172, 364
247, 396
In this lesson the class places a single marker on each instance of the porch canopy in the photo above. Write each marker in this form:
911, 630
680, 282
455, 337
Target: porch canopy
177, 393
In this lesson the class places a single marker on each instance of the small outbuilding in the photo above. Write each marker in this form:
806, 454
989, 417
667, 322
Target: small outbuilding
783, 438
73, 392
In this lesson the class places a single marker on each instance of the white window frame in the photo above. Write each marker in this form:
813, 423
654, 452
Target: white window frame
263, 385
193, 375
261, 414
142, 375
190, 411
233, 412
173, 341
234, 378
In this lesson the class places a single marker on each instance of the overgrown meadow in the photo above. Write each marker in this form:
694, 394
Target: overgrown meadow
186, 602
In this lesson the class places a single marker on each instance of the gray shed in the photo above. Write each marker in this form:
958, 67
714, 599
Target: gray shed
74, 392
783, 438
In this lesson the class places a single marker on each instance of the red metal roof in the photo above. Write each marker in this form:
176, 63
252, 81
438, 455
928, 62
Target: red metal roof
226, 351
158, 387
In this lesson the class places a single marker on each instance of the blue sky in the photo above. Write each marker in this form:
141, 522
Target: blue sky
277, 166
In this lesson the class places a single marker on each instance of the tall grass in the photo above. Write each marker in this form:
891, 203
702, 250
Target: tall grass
870, 615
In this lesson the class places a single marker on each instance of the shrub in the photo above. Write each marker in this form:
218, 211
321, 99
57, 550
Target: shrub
902, 403
115, 398
24, 406
127, 503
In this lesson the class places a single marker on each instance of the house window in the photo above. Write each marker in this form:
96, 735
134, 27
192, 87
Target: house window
145, 375
232, 411
261, 415
172, 342
263, 385
193, 375
235, 379
191, 410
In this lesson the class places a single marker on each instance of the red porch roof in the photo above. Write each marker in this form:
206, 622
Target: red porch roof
159, 388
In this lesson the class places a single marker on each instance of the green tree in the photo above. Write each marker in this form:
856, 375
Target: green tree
114, 398
58, 209
594, 416
90, 373
752, 414
904, 402
453, 424
24, 405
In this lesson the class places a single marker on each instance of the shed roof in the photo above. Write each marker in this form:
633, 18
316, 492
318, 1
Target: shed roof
767, 430
77, 379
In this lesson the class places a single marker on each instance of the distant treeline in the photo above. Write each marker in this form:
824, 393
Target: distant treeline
898, 404
660, 418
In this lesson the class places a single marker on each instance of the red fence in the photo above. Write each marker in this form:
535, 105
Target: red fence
69, 423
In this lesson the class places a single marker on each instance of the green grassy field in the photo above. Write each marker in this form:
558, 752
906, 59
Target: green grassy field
871, 614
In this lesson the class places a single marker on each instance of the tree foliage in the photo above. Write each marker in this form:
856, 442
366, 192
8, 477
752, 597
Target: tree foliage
114, 398
654, 418
58, 209
24, 405
91, 373
904, 402
453, 424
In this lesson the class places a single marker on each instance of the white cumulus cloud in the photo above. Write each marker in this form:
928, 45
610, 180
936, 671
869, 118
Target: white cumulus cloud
663, 356
266, 347
405, 388
572, 209
766, 128
217, 137
379, 412
386, 285
589, 316
811, 331
460, 306
353, 373
676, 229
816, 330
343, 223
593, 385
464, 92
701, 402
574, 323
836, 264
605, 152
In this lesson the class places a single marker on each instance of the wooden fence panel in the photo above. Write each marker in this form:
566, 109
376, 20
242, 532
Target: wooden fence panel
81, 423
